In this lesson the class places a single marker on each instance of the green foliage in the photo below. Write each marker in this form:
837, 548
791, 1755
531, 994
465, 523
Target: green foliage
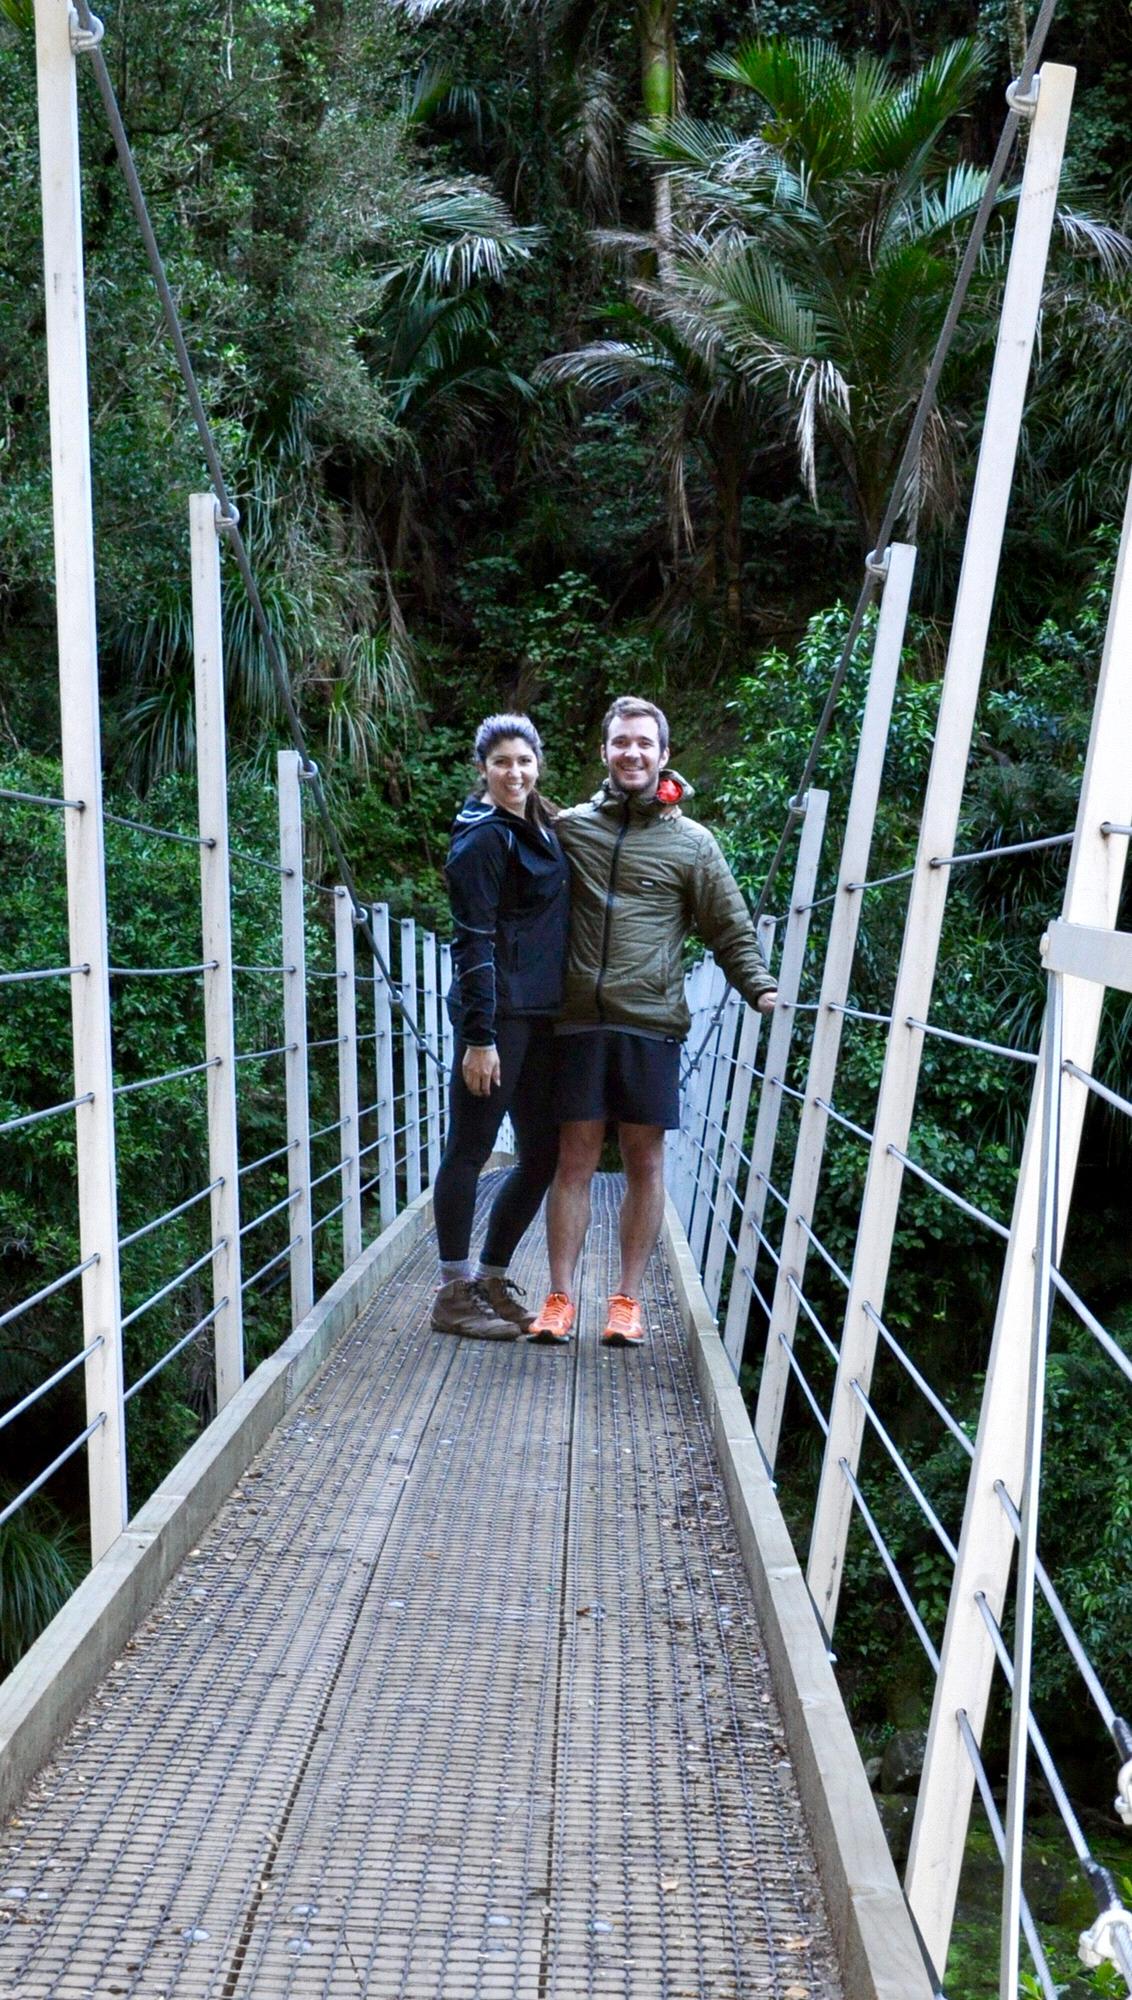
40, 1565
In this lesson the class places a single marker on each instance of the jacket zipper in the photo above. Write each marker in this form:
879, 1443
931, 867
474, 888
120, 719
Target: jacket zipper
608, 925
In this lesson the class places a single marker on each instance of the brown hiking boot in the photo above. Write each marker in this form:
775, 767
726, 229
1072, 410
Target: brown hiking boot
506, 1298
463, 1307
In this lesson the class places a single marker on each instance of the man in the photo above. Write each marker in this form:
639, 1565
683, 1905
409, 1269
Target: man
642, 878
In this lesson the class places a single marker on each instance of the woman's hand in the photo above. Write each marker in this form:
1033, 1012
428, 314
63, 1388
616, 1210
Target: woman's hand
480, 1070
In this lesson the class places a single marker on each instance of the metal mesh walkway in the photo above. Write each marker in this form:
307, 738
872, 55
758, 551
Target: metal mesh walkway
461, 1695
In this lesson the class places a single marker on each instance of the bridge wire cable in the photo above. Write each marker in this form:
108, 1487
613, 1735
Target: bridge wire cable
44, 972
971, 1041
903, 482
42, 799
829, 1343
147, 1228
1062, 1619
228, 520
1099, 1877
949, 1194
922, 1384
796, 1369
172, 1352
991, 853
1090, 1321
1099, 1089
886, 1557
907, 1475
68, 1368
998, 1832
52, 1111
95, 1424
47, 1291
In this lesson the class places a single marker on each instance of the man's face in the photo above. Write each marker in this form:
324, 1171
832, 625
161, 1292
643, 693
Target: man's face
632, 755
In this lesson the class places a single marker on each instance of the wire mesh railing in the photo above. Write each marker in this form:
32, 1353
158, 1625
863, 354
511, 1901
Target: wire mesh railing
180, 1276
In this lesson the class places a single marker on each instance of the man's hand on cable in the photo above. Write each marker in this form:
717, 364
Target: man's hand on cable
480, 1070
767, 1002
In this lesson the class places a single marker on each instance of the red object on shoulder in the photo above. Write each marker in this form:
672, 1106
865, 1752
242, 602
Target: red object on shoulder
670, 791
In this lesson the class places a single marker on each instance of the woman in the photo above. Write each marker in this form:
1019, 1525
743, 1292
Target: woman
507, 879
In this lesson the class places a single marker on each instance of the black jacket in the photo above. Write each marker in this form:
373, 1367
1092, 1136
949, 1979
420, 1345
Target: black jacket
508, 885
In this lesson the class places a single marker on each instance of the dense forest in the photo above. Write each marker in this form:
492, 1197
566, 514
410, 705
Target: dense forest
558, 348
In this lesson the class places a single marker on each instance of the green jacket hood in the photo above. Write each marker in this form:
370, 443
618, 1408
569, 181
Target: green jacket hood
673, 790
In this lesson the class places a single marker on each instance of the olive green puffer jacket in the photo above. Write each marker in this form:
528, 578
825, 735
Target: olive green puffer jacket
640, 885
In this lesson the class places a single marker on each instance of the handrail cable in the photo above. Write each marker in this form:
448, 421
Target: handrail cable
1062, 1620
228, 518
796, 1369
1092, 1323
95, 1424
68, 1368
905, 472
824, 1336
47, 972
921, 1381
998, 1833
906, 1474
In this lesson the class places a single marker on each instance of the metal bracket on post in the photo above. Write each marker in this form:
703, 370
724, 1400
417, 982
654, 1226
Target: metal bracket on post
295, 1035
216, 937
76, 624
84, 40
349, 1138
1023, 103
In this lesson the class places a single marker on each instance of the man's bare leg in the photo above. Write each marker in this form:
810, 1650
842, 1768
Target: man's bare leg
568, 1203
642, 1211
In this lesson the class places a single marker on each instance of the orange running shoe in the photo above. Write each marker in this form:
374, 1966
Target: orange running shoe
623, 1326
553, 1324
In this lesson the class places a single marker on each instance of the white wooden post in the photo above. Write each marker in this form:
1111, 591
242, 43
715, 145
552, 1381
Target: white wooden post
349, 1137
730, 1177
794, 938
410, 1058
432, 1037
295, 1034
216, 935
916, 975
828, 1020
722, 1074
701, 983
82, 769
447, 1036
386, 1113
987, 1542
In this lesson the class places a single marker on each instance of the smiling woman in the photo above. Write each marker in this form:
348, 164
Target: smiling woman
508, 886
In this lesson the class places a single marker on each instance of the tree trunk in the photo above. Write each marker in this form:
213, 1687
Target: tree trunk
656, 26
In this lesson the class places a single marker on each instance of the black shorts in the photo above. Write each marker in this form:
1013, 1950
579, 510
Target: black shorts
612, 1073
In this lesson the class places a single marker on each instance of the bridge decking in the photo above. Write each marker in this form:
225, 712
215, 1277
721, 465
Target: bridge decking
461, 1695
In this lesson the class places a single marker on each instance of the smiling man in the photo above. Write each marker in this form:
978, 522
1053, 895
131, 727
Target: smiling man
642, 879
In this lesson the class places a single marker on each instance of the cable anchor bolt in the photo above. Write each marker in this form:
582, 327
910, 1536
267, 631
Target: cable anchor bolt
227, 523
1123, 1799
1096, 1945
308, 772
1023, 103
84, 40
877, 564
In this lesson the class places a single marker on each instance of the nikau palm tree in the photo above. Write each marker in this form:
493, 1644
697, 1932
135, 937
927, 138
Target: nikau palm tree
818, 255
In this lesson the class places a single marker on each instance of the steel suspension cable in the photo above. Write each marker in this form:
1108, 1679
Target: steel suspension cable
228, 519
897, 500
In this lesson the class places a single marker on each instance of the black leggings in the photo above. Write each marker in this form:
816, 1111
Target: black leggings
526, 1091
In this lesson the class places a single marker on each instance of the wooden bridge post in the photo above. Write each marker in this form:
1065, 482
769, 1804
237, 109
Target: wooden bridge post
447, 1036
82, 770
828, 1021
727, 1195
987, 1543
386, 1113
295, 1034
216, 937
431, 1033
349, 1134
794, 938
915, 978
411, 1059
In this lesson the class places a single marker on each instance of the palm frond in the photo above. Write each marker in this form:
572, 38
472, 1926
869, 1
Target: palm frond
1102, 240
609, 366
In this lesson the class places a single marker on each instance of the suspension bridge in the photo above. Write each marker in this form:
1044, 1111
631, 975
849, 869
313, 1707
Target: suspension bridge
441, 1668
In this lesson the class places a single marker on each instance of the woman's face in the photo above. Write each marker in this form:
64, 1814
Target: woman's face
511, 771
